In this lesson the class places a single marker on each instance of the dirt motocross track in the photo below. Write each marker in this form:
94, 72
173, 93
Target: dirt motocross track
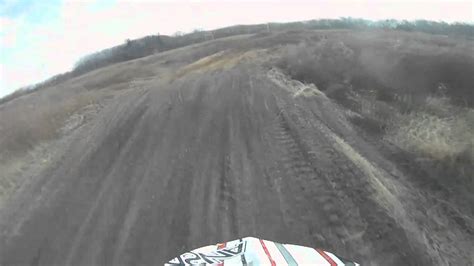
217, 151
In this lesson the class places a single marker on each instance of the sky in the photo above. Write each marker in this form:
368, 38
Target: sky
42, 38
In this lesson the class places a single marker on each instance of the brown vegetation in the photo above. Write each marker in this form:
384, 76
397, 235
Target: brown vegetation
411, 91
22, 130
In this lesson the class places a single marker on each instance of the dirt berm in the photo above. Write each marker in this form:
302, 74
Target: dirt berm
200, 152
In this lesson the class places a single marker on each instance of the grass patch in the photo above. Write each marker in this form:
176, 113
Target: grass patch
27, 125
414, 91
24, 127
440, 138
321, 63
219, 60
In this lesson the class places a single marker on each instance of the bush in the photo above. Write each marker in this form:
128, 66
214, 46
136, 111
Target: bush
440, 138
322, 63
442, 147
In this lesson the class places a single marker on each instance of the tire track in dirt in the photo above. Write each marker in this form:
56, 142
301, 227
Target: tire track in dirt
314, 197
385, 238
339, 210
227, 199
382, 222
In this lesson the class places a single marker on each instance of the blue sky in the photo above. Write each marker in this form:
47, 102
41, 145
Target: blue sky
41, 38
18, 21
27, 30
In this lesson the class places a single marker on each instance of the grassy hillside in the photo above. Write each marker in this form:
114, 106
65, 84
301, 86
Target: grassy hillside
132, 49
410, 90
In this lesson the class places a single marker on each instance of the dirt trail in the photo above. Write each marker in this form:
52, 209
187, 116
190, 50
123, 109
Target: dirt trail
216, 156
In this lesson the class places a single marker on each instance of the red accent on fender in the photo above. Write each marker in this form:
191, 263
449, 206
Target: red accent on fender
266, 252
221, 246
325, 256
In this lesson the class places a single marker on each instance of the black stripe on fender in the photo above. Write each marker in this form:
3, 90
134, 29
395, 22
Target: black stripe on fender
242, 257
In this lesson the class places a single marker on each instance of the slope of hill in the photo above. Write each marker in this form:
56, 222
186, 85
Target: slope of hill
358, 143
152, 44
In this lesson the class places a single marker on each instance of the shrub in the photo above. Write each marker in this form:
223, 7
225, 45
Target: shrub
440, 138
442, 147
322, 63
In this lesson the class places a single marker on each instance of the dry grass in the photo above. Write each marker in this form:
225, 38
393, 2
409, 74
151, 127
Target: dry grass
440, 138
367, 74
219, 60
307, 92
13, 171
412, 90
384, 195
295, 87
39, 118
24, 127
322, 63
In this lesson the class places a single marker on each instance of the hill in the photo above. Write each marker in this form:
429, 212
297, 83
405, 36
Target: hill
133, 49
358, 142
